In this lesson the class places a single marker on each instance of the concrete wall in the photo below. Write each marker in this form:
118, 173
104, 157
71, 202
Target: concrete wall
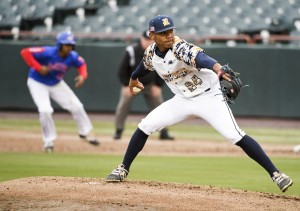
272, 73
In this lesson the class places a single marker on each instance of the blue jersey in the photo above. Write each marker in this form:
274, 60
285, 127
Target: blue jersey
48, 56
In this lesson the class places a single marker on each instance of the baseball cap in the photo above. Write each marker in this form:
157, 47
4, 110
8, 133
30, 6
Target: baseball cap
65, 37
146, 34
161, 23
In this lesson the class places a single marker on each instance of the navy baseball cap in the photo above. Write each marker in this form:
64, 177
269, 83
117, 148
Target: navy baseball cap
161, 23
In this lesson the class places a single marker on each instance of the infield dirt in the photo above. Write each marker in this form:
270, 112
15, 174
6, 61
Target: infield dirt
68, 193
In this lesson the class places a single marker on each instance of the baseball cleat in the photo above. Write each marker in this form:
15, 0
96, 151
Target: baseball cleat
164, 135
118, 174
283, 181
94, 142
118, 134
91, 140
49, 150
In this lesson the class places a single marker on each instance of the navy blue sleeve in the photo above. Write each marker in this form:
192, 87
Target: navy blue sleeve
140, 71
204, 61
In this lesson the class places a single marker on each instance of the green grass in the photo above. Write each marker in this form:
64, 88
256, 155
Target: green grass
180, 131
231, 172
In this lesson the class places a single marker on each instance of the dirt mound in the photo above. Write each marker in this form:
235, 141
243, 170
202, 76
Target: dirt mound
65, 193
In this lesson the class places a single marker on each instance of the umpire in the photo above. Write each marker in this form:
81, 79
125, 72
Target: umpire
153, 86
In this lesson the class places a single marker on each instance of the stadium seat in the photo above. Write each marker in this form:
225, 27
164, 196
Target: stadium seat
219, 17
106, 11
73, 4
42, 11
24, 11
9, 20
91, 6
95, 21
4, 7
58, 3
38, 2
20, 3
74, 23
60, 27
140, 3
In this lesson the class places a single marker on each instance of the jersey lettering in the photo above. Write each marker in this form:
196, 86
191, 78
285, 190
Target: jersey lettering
182, 72
36, 49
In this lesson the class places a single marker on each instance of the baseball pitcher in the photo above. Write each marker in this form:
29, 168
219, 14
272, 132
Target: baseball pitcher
194, 78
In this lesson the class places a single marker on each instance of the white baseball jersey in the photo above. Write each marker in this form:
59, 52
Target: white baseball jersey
197, 92
178, 69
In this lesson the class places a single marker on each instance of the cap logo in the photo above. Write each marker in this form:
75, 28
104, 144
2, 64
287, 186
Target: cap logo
152, 29
165, 22
70, 37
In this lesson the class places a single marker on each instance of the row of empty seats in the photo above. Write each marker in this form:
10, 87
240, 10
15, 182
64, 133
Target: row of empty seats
12, 12
198, 18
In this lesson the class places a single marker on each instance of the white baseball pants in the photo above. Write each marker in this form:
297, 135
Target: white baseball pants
62, 94
209, 106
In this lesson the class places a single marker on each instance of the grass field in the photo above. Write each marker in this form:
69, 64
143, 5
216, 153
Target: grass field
233, 172
240, 173
181, 131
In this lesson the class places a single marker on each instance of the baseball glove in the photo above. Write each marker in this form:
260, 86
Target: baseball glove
230, 89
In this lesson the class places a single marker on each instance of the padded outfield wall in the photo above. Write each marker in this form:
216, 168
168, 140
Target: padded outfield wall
273, 74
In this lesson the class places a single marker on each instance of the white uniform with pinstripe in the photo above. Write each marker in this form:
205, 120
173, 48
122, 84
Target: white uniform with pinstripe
197, 92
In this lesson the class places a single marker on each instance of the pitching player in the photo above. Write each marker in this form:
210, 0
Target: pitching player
193, 77
48, 65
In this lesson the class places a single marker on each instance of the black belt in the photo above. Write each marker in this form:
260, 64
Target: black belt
202, 92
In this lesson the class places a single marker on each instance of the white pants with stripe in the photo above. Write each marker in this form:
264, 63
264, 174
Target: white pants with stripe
62, 94
209, 106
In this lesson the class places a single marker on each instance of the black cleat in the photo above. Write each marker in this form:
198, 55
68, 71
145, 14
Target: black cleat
164, 135
118, 134
49, 150
91, 140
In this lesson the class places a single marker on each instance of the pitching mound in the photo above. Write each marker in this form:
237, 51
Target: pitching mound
61, 193
65, 193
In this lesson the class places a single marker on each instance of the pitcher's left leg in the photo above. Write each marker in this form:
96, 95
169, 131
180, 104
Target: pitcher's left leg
225, 123
217, 113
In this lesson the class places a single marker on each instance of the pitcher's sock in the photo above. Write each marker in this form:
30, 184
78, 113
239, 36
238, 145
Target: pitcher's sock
136, 144
254, 151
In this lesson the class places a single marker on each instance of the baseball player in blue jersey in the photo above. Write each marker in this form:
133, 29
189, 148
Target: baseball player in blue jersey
193, 77
48, 65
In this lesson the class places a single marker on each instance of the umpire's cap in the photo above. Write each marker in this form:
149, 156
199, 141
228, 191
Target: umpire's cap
161, 23
146, 34
65, 37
